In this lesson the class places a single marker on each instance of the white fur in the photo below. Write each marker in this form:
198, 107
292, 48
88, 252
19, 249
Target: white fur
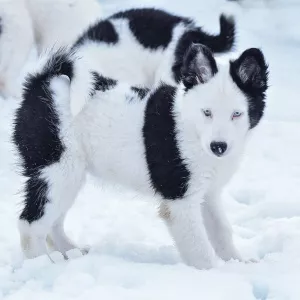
49, 23
127, 61
16, 41
105, 138
59, 22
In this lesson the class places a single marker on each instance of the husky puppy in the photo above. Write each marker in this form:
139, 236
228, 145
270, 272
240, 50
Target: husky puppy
141, 47
178, 143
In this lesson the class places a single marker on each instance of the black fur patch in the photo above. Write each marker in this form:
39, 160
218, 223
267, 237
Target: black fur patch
217, 43
167, 170
35, 199
256, 85
141, 92
102, 83
153, 28
103, 31
36, 132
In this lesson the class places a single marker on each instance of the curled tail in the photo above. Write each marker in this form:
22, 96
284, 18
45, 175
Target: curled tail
225, 40
44, 112
219, 43
60, 62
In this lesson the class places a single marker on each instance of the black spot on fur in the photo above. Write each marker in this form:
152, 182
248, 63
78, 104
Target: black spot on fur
36, 132
103, 31
35, 199
168, 172
153, 28
217, 43
102, 83
141, 92
1, 26
250, 73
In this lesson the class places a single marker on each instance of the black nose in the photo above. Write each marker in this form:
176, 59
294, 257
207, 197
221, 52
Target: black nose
218, 148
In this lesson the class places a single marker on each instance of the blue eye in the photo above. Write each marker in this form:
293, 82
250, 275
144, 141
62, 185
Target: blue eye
236, 115
207, 113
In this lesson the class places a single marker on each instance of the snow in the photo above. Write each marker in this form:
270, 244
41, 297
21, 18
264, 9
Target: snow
132, 255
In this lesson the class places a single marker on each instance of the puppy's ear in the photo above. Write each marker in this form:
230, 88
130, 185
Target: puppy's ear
199, 66
250, 72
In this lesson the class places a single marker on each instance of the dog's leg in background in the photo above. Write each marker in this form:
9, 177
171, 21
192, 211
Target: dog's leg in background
185, 223
59, 241
58, 23
16, 41
218, 228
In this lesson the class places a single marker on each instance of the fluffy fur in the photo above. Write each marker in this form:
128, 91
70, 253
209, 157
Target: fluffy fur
58, 23
16, 41
157, 142
48, 23
142, 47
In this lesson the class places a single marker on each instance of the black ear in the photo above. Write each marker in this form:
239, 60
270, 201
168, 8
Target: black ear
250, 72
198, 66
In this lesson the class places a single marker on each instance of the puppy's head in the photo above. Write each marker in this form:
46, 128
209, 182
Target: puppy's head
224, 102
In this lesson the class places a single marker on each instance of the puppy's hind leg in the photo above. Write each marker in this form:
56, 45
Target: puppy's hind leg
65, 179
59, 241
52, 159
48, 197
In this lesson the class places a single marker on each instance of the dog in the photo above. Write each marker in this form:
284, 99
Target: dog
16, 41
47, 24
178, 143
58, 23
141, 47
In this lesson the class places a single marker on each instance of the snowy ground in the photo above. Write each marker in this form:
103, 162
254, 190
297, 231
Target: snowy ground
132, 254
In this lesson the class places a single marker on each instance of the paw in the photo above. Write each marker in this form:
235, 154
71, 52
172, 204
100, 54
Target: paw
76, 253
85, 250
33, 247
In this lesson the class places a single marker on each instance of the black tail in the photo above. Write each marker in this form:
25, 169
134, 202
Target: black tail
60, 62
37, 120
225, 41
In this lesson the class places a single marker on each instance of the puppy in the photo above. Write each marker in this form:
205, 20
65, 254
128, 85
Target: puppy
142, 47
178, 143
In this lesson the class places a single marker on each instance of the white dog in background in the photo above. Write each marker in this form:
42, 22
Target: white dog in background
59, 22
16, 40
48, 23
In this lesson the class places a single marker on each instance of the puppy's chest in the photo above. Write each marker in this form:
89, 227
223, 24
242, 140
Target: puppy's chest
208, 174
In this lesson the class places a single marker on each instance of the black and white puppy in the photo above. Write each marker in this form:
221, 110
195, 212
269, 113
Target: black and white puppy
141, 47
178, 143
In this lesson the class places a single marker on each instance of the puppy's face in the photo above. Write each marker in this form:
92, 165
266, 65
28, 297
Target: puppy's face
223, 102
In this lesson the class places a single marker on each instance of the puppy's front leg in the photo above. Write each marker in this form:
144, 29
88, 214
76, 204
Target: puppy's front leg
218, 228
184, 220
